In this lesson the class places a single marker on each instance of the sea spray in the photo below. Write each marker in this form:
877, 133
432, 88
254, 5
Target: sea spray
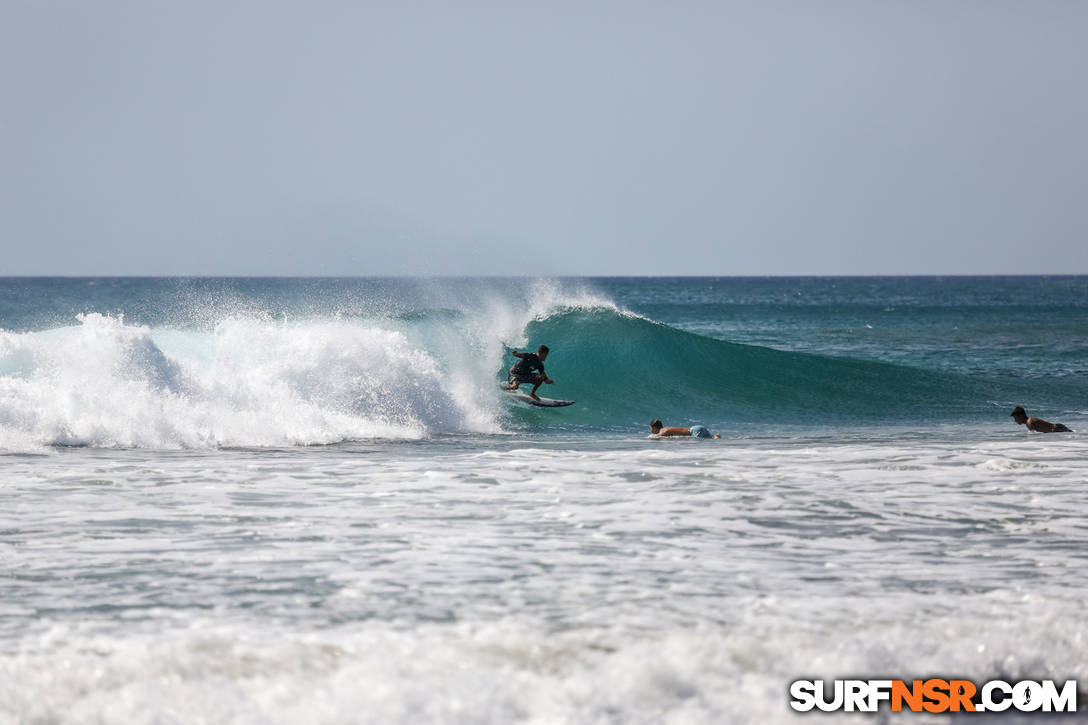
108, 384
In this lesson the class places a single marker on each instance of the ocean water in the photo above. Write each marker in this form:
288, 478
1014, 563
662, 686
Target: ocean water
307, 500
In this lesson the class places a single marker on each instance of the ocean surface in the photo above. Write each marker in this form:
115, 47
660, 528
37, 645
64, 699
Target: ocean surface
308, 501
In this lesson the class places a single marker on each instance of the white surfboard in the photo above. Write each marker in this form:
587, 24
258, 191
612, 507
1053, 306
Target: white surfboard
542, 403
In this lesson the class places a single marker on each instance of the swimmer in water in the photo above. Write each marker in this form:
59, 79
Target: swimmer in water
695, 431
1036, 424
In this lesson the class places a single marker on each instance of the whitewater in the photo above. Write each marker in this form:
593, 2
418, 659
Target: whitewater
308, 501
244, 379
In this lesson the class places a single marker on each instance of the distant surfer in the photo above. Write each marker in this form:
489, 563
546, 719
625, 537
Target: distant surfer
1036, 424
529, 369
695, 431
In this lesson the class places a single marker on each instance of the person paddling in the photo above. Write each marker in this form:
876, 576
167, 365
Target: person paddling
696, 431
1036, 424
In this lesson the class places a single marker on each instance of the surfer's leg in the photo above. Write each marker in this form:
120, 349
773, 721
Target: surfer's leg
537, 381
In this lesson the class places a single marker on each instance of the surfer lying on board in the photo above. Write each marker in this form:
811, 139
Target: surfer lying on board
695, 431
529, 369
1036, 424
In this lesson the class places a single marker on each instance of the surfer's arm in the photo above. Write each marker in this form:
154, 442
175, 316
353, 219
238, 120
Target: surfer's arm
515, 353
675, 431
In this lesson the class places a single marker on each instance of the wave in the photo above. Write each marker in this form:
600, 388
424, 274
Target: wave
256, 381
625, 368
249, 376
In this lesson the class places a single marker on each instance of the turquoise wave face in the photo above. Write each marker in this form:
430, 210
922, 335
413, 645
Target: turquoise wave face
626, 370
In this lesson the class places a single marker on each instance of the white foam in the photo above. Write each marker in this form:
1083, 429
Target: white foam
250, 380
514, 670
248, 383
608, 581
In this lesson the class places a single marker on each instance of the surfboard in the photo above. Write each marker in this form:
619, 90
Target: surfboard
542, 403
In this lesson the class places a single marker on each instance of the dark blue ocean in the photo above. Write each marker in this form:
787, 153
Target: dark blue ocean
308, 501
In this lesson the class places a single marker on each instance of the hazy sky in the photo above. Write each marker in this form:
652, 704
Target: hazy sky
583, 138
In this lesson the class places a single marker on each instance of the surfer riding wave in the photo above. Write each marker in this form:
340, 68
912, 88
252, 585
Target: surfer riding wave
529, 369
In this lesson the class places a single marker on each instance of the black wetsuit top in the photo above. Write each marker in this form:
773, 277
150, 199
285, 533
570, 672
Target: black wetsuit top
523, 368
